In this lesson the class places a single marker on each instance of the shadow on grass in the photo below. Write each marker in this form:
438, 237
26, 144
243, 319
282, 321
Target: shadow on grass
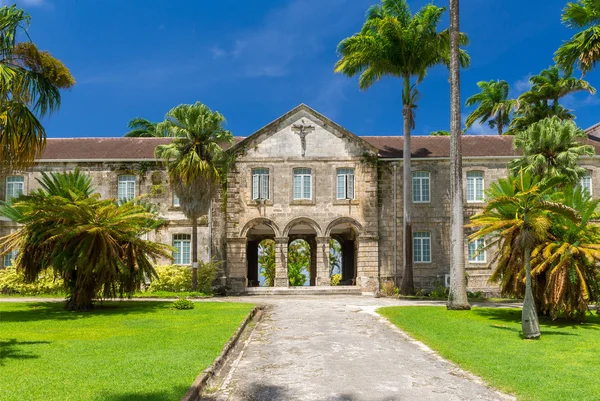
514, 316
15, 349
37, 311
175, 394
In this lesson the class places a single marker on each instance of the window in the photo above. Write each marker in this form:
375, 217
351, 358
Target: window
420, 186
176, 202
476, 251
585, 182
422, 247
126, 189
14, 186
302, 183
474, 186
260, 183
9, 257
182, 244
345, 183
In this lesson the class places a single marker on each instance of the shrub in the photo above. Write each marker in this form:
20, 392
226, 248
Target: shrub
172, 278
182, 303
13, 282
439, 290
207, 274
335, 279
476, 294
389, 289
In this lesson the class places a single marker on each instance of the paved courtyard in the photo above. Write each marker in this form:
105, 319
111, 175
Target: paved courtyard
337, 348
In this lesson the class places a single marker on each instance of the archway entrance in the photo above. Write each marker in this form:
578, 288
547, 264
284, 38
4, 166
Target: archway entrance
260, 253
302, 254
343, 248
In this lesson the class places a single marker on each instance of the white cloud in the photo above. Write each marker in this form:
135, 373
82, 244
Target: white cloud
331, 95
574, 101
520, 86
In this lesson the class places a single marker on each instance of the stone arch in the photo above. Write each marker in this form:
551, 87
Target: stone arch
302, 220
344, 220
258, 221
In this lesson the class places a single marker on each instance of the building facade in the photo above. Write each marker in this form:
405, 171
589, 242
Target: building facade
305, 177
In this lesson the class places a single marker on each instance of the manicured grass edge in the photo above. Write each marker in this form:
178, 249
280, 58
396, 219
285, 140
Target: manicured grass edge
436, 354
195, 391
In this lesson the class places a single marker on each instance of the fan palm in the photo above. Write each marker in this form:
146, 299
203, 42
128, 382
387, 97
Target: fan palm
583, 49
142, 128
194, 161
494, 106
93, 244
516, 219
395, 43
551, 147
29, 89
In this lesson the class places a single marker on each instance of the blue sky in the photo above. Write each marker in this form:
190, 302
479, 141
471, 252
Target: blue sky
254, 60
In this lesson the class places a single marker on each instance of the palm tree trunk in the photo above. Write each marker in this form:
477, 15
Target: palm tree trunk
194, 254
457, 296
529, 318
407, 285
499, 124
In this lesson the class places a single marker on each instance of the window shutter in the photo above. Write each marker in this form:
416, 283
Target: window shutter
264, 194
350, 186
255, 186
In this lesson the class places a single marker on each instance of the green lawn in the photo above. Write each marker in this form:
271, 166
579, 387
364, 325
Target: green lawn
563, 365
121, 351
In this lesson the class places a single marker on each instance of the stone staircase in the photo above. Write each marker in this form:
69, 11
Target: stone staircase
321, 290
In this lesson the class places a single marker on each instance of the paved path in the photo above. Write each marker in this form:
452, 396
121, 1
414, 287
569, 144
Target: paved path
338, 348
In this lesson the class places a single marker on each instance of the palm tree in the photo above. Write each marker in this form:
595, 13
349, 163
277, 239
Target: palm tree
551, 147
194, 161
494, 106
395, 43
29, 89
95, 245
142, 128
583, 49
457, 295
516, 219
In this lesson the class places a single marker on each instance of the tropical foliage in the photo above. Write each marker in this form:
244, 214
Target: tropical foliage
142, 128
551, 147
335, 257
583, 49
12, 282
395, 43
266, 261
298, 262
30, 83
94, 245
493, 105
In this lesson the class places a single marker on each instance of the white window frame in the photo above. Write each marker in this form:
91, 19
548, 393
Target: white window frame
176, 200
345, 183
260, 183
123, 182
588, 177
9, 257
302, 173
15, 185
421, 177
179, 243
472, 181
421, 236
481, 256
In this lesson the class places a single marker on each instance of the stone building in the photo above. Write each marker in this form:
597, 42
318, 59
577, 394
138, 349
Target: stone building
305, 177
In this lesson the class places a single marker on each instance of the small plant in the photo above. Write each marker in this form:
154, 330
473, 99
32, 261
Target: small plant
420, 292
476, 294
182, 304
172, 278
389, 289
157, 190
439, 290
207, 274
335, 279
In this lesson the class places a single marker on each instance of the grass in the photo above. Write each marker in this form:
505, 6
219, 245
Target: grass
562, 365
157, 294
120, 351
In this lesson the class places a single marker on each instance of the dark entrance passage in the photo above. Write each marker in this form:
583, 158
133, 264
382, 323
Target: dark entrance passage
343, 253
260, 242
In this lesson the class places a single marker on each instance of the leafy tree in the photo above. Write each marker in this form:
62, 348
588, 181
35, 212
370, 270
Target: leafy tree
494, 106
457, 294
583, 49
395, 43
440, 133
94, 245
266, 261
298, 262
30, 81
551, 147
516, 219
142, 128
335, 256
195, 161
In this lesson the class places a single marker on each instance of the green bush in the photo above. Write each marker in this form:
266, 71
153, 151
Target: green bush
172, 278
476, 294
335, 279
182, 304
207, 274
439, 291
13, 282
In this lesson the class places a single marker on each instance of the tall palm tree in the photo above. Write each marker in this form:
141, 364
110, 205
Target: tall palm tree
583, 49
194, 161
395, 43
494, 106
552, 147
142, 128
516, 219
457, 295
29, 89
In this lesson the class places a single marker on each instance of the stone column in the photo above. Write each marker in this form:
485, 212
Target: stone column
367, 264
281, 273
312, 268
322, 249
237, 265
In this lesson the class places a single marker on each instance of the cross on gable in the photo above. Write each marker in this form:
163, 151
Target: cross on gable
302, 130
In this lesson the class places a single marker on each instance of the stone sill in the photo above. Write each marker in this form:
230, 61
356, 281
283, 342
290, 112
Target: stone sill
344, 202
266, 202
302, 202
